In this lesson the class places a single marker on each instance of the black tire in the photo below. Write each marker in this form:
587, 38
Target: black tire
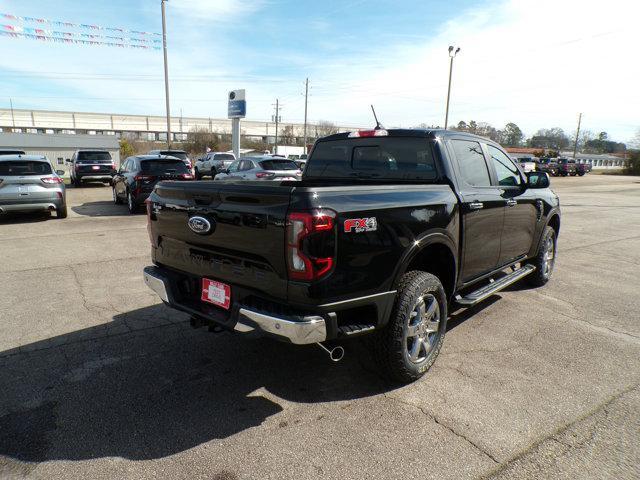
197, 174
76, 182
131, 203
393, 344
116, 199
544, 265
580, 174
62, 212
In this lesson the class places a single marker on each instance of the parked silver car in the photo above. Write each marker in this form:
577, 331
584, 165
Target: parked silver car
29, 184
261, 168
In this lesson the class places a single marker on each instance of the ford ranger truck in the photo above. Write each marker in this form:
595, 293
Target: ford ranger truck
386, 230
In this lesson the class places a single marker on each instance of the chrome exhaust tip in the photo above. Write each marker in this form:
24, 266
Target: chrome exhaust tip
335, 354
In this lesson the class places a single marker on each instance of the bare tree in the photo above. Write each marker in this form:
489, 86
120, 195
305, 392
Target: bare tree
324, 128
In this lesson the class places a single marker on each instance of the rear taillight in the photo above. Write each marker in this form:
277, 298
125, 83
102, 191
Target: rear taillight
310, 244
52, 180
369, 133
149, 205
265, 175
144, 178
186, 176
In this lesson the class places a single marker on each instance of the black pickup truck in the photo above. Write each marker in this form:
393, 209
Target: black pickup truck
385, 231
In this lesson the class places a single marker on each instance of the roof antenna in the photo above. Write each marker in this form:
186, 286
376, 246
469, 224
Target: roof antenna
378, 125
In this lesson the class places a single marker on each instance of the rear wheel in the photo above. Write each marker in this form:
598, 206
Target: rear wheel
409, 344
76, 182
545, 260
62, 212
131, 203
198, 175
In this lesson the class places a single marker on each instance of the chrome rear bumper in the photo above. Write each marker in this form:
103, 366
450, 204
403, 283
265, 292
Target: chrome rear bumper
309, 329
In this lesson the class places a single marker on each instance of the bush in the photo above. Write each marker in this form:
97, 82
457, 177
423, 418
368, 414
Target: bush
633, 163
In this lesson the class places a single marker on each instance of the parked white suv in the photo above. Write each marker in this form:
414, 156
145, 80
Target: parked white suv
213, 163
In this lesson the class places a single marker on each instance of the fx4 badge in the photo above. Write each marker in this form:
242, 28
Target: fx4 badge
360, 225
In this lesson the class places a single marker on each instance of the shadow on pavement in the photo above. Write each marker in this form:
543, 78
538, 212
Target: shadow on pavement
15, 218
104, 208
141, 388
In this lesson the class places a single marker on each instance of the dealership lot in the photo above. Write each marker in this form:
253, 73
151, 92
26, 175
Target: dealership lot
100, 381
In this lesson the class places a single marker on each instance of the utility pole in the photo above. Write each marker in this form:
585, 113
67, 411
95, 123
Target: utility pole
277, 120
306, 97
575, 144
166, 72
13, 118
452, 55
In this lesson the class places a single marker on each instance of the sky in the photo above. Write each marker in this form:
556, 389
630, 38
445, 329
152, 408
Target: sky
537, 63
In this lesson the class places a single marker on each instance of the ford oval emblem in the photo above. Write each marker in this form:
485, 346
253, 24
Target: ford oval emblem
200, 225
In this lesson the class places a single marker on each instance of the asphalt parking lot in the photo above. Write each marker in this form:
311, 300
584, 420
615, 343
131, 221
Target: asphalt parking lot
99, 380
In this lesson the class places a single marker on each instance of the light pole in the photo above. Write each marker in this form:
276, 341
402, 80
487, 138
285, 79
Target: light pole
452, 55
166, 73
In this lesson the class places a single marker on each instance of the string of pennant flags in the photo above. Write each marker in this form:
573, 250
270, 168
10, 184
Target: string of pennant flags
77, 41
58, 23
89, 36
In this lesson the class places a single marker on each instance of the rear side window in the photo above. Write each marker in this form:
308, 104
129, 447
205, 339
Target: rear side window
401, 158
163, 166
506, 171
24, 167
473, 168
94, 156
278, 165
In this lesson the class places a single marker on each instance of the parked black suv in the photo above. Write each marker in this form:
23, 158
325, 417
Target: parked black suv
91, 165
386, 229
138, 175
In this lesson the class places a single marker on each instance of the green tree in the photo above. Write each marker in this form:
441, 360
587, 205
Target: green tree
554, 138
633, 163
511, 135
126, 149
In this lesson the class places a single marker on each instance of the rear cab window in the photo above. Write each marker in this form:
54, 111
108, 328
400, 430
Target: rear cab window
24, 167
394, 158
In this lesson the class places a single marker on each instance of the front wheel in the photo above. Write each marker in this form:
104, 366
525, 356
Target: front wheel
545, 260
116, 199
409, 344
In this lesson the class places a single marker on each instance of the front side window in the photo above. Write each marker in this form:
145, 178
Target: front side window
473, 168
507, 172
234, 166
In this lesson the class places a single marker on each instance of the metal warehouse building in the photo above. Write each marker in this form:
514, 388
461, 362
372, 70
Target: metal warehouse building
59, 148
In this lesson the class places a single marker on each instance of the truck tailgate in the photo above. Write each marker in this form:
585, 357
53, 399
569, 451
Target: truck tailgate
245, 245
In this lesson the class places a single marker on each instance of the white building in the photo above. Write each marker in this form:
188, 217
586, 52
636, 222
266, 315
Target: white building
57, 147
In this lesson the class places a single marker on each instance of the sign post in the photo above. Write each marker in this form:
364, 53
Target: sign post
237, 109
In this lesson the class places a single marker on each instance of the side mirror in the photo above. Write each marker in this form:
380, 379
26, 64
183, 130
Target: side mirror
538, 180
60, 173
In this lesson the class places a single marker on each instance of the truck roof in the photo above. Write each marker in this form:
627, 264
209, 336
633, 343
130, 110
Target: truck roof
412, 132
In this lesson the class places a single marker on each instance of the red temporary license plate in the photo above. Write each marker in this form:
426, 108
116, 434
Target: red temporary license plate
217, 293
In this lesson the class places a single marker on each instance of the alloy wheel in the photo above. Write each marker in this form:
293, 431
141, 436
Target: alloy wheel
423, 327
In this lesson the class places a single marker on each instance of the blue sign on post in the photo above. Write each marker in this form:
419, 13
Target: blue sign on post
237, 107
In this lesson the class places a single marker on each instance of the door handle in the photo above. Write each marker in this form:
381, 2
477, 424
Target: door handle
511, 202
476, 205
